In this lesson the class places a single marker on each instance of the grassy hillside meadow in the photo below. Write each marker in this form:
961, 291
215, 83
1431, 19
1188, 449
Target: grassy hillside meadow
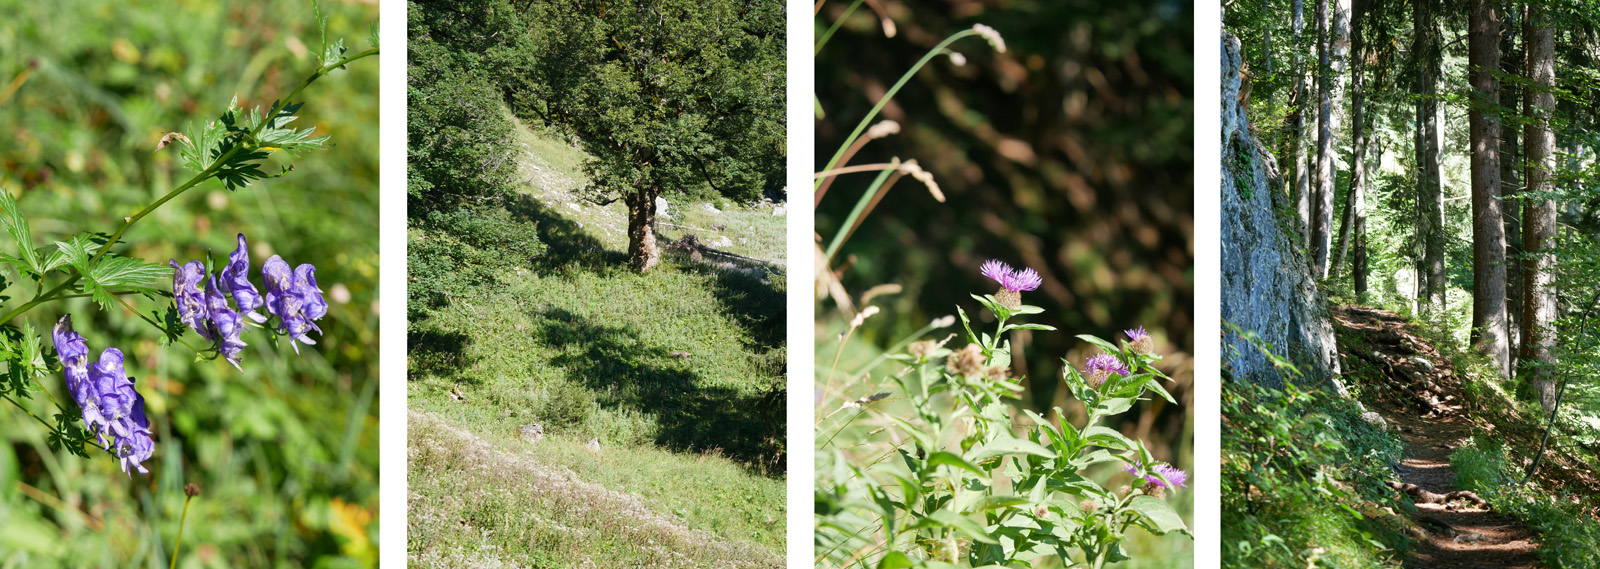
677, 373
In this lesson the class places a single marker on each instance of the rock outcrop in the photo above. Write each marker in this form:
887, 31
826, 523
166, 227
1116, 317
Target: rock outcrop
1266, 282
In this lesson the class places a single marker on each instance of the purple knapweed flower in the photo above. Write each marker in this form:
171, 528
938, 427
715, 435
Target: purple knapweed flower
1013, 282
186, 279
1139, 340
225, 324
111, 406
1175, 477
1100, 366
235, 282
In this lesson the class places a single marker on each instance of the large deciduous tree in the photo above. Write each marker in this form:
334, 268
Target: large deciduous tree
1488, 227
1538, 208
665, 94
1297, 133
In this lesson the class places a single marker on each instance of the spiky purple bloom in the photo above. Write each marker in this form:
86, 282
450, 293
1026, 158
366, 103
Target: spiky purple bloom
111, 406
1104, 363
1136, 334
1010, 279
1176, 477
186, 279
225, 324
235, 282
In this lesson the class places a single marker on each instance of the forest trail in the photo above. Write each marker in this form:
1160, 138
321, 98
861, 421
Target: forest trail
1422, 401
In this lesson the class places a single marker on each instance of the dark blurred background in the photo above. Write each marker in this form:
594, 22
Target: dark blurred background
1070, 153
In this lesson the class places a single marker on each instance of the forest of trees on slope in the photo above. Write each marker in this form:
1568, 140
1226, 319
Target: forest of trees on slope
1442, 159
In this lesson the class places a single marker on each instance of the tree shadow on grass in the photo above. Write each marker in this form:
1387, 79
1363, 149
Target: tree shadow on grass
436, 352
624, 372
568, 245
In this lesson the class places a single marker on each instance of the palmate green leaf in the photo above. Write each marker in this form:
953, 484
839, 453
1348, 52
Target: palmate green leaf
17, 227
124, 274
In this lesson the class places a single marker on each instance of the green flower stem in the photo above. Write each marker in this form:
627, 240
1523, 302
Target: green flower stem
822, 41
884, 101
158, 325
181, 521
861, 205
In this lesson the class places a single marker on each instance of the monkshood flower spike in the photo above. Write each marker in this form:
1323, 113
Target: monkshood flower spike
1013, 282
235, 282
290, 295
111, 406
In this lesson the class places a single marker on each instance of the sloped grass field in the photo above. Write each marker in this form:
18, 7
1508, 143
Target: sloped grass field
530, 316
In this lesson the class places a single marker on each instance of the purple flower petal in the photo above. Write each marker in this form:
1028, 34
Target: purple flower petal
1023, 280
1104, 363
235, 282
186, 293
1136, 334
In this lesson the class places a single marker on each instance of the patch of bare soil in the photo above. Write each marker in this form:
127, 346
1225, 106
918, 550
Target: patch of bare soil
1423, 400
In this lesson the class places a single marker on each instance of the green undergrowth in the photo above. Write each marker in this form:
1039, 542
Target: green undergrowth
1303, 481
498, 501
1568, 533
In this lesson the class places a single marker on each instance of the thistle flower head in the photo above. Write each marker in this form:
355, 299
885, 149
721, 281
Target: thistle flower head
235, 282
1140, 340
1013, 280
1101, 366
1177, 478
966, 362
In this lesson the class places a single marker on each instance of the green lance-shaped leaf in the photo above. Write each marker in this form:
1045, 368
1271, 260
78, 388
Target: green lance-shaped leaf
1158, 516
1107, 437
943, 458
1006, 445
964, 525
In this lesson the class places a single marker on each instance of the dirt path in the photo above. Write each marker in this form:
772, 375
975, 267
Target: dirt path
1465, 537
1421, 401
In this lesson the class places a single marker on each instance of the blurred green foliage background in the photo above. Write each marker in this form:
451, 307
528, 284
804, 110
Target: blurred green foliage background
285, 452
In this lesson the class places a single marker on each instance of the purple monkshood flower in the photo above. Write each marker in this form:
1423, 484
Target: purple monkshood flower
1010, 279
225, 323
1104, 363
293, 297
104, 391
186, 279
1171, 473
234, 282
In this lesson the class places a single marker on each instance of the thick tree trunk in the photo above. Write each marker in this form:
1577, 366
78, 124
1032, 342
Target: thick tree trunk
642, 251
1488, 226
1321, 183
1430, 194
1510, 184
1297, 128
1334, 45
1358, 154
1539, 216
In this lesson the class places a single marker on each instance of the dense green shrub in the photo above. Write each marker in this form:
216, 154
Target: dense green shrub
1294, 463
457, 131
462, 248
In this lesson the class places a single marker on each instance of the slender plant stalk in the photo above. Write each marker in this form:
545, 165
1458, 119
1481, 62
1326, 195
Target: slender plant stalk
861, 205
176, 547
884, 101
209, 172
